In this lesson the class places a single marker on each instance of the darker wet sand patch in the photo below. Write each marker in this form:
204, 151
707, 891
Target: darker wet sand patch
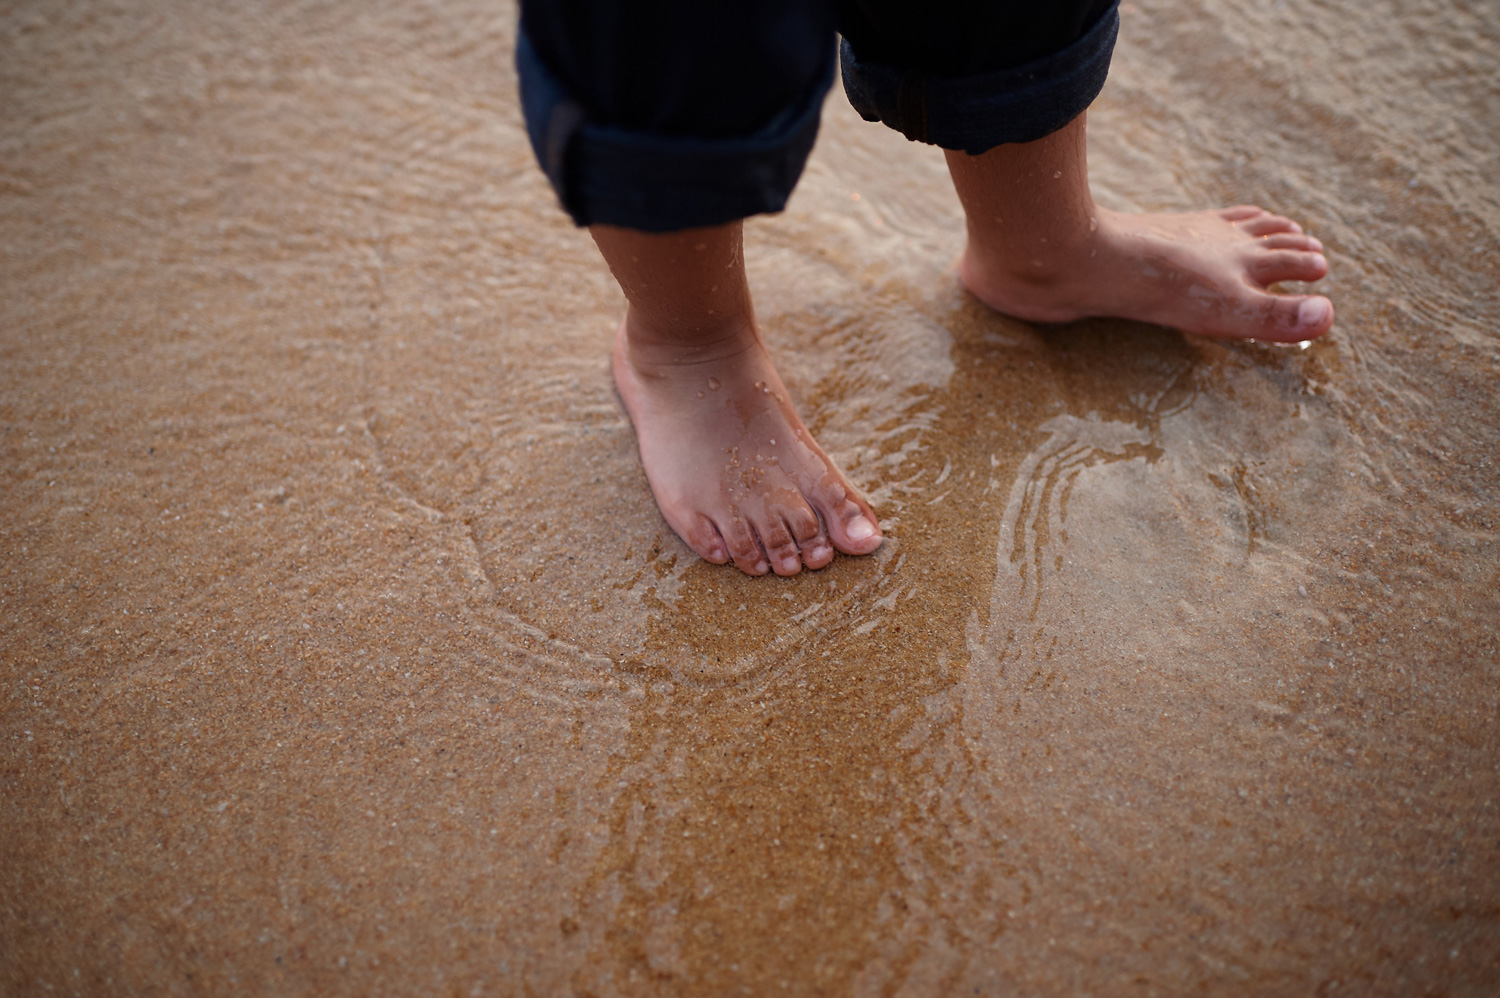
344, 652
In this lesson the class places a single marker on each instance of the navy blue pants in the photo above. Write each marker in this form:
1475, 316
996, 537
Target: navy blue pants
662, 115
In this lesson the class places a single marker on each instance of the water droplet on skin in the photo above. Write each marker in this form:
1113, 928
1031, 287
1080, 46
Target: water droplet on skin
700, 394
1093, 225
773, 441
713, 384
761, 385
1057, 175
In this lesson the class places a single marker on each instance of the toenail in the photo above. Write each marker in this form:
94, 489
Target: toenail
859, 528
1313, 312
790, 564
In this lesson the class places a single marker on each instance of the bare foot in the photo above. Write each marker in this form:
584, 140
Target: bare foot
734, 470
1207, 273
1039, 248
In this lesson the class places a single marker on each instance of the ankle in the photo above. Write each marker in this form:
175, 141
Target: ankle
1039, 268
1039, 256
704, 340
1042, 280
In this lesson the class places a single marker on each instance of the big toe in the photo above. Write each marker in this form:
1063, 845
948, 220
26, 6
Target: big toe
1292, 318
859, 534
851, 523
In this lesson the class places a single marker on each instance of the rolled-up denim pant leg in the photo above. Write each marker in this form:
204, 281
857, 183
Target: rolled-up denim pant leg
972, 76
662, 115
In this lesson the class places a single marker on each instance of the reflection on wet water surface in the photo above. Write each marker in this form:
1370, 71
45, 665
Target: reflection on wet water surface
347, 654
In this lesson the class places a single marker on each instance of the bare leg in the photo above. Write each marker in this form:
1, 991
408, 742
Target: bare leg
1040, 249
734, 470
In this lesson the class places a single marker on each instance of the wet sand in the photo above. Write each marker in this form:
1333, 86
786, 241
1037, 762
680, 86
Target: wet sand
345, 653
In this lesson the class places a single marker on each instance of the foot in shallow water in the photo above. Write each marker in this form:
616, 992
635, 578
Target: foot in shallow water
1207, 273
733, 469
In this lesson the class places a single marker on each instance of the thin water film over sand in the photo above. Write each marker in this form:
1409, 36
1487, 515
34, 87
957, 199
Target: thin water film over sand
344, 651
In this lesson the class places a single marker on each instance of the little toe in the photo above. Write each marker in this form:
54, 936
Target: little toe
1240, 212
1265, 225
1288, 265
744, 548
703, 537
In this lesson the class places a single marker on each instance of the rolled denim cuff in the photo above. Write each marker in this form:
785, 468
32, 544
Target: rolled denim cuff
655, 182
976, 113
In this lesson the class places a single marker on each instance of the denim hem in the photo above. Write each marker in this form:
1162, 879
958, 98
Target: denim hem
662, 183
976, 113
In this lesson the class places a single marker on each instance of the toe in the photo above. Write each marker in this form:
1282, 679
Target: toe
1291, 318
851, 523
744, 547
1240, 212
780, 546
818, 552
1291, 241
812, 539
1265, 225
1288, 265
703, 537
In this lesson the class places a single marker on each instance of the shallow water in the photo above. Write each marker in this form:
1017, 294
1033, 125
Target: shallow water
344, 651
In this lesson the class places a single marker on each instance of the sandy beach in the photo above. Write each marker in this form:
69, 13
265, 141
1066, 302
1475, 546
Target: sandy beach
345, 652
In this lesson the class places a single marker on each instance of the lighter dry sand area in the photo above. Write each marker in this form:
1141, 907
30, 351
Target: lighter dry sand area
344, 652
